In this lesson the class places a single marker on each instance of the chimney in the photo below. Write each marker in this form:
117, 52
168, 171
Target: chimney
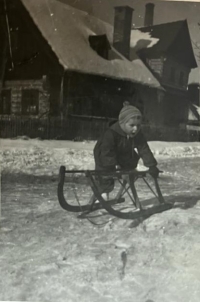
122, 29
149, 12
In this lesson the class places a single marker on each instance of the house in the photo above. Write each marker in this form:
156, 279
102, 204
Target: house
61, 61
170, 60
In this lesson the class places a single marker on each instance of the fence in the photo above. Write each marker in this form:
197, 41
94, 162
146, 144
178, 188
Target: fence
76, 128
82, 127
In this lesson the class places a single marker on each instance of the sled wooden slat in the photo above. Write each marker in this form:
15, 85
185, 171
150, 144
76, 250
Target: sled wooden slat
72, 208
114, 174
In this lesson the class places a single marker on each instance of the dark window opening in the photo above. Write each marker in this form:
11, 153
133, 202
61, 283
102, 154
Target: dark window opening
14, 35
5, 102
172, 74
181, 79
101, 45
30, 102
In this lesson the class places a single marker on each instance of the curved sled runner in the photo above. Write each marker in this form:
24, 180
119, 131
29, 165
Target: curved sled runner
126, 187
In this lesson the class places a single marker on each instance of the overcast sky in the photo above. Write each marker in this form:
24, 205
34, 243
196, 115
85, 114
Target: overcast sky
164, 11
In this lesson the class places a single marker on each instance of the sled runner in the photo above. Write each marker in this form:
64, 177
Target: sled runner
127, 185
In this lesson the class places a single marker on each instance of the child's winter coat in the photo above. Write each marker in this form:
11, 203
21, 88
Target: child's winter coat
115, 148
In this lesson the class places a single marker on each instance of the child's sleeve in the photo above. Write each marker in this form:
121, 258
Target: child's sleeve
144, 151
108, 151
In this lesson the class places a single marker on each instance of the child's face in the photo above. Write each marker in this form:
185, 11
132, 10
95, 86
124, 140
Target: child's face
132, 126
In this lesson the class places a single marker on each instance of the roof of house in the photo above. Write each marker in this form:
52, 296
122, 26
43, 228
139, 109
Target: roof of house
194, 113
194, 77
168, 34
67, 30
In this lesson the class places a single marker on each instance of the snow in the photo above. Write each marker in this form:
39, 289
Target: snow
194, 76
140, 40
43, 157
48, 254
197, 108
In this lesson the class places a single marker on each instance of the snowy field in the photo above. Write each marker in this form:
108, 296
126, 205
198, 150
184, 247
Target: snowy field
40, 157
48, 254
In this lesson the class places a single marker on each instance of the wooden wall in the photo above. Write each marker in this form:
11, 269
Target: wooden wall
178, 67
16, 88
176, 108
94, 95
194, 94
153, 105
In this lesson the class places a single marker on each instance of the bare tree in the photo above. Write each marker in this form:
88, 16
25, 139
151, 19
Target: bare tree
196, 45
4, 44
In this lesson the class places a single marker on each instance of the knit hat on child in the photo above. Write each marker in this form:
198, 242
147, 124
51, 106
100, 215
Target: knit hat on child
129, 112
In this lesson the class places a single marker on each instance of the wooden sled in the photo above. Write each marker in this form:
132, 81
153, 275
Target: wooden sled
139, 211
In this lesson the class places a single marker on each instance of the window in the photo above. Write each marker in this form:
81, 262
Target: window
100, 44
30, 101
5, 102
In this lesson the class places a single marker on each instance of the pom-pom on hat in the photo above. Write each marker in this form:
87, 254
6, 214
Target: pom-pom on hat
128, 112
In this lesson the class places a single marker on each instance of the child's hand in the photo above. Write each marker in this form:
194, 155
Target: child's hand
154, 171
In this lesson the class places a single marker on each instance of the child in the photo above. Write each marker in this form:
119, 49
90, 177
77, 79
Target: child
116, 147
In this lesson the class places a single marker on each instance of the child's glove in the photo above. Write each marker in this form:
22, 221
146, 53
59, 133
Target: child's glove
154, 171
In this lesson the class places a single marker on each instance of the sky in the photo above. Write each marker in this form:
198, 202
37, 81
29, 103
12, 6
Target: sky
164, 11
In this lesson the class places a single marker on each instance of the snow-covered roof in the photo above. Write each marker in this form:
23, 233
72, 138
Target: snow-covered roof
67, 30
194, 113
194, 77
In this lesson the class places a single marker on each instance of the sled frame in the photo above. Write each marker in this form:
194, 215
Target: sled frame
125, 187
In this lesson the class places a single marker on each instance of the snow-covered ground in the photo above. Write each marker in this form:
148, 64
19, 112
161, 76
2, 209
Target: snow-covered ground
48, 254
43, 157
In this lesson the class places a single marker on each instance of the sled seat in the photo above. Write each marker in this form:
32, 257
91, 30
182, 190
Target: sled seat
127, 185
